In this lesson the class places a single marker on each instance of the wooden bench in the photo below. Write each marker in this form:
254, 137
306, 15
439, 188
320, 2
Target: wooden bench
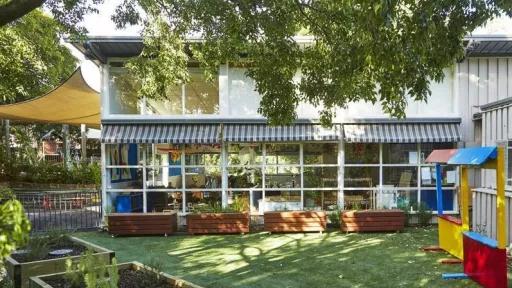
372, 221
218, 223
142, 223
295, 221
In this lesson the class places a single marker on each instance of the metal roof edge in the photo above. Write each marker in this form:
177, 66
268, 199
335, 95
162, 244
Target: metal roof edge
496, 104
456, 120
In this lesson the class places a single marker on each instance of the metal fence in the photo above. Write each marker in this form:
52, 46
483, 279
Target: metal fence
62, 210
484, 213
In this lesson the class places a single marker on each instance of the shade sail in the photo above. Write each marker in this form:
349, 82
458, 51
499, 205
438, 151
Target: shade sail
402, 132
161, 133
74, 102
265, 133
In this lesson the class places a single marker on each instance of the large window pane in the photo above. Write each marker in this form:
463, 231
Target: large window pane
359, 199
123, 97
239, 200
201, 96
203, 177
283, 154
124, 178
320, 177
281, 201
164, 201
427, 148
320, 153
244, 177
282, 177
172, 105
407, 198
400, 176
321, 200
202, 154
361, 153
197, 201
361, 176
245, 154
400, 153
125, 202
428, 176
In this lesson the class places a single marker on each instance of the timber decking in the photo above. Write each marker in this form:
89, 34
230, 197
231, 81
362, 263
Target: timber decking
142, 223
295, 221
218, 223
372, 221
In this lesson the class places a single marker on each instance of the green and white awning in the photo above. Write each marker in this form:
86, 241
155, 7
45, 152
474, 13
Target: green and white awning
161, 133
401, 132
292, 133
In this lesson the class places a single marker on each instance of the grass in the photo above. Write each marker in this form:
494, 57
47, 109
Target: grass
333, 259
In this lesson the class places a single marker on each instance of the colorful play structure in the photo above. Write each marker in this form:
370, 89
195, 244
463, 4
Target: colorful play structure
484, 259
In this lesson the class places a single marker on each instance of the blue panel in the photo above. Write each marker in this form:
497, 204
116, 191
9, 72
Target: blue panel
429, 197
449, 276
474, 156
482, 239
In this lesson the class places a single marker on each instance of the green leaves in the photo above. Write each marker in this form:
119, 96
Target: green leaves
14, 226
381, 51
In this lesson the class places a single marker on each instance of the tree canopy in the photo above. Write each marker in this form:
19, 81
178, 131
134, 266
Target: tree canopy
379, 51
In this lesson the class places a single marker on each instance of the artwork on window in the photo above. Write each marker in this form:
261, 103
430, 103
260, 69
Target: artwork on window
123, 155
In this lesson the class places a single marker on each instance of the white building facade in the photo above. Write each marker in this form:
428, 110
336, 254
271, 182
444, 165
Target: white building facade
207, 145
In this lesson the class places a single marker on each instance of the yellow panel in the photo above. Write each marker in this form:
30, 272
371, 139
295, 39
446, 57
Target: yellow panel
500, 199
450, 238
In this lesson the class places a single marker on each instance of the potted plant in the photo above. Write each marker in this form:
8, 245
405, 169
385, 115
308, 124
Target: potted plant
214, 219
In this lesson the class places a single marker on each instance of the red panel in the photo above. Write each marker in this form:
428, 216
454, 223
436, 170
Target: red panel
484, 264
452, 219
440, 156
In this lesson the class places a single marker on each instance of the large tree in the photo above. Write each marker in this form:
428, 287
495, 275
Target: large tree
371, 50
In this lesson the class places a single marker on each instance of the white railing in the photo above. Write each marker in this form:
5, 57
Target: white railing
484, 213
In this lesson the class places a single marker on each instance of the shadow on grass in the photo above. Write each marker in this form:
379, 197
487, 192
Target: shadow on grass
332, 259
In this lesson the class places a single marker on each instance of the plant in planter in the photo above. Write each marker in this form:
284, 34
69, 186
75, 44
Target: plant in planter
47, 254
215, 219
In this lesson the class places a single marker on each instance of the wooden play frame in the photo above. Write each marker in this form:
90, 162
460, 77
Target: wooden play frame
484, 259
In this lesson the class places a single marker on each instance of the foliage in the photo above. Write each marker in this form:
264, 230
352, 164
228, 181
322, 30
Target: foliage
373, 51
238, 205
32, 60
422, 212
334, 217
95, 273
14, 225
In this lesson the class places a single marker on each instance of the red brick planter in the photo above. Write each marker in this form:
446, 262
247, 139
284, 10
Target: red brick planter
295, 221
372, 220
142, 223
218, 223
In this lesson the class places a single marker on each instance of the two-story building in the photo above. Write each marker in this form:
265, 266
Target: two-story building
207, 143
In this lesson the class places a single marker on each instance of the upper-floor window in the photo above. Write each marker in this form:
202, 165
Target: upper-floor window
198, 96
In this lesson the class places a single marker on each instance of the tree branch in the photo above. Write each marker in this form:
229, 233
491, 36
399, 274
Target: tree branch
16, 9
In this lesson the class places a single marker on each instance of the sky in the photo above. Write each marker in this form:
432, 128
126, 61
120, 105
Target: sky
101, 25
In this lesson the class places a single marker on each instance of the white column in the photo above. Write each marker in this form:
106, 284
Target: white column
301, 162
144, 193
83, 138
7, 127
341, 174
65, 134
183, 179
104, 197
224, 185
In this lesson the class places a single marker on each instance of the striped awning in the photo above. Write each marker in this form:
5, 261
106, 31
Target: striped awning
402, 132
292, 133
161, 133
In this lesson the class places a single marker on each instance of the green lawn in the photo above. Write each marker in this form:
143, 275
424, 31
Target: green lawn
332, 259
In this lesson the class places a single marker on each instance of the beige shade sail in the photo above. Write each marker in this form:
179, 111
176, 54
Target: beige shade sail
73, 102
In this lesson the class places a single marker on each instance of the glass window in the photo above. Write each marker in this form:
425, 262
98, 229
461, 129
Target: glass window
321, 200
170, 106
164, 201
282, 177
201, 96
361, 176
125, 202
203, 177
358, 199
245, 154
362, 153
198, 154
400, 176
320, 177
282, 154
320, 153
123, 97
202, 200
244, 177
239, 200
276, 200
400, 153
428, 176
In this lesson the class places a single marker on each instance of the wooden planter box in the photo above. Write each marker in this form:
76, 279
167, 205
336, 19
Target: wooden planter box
21, 272
372, 221
142, 223
295, 221
174, 282
218, 223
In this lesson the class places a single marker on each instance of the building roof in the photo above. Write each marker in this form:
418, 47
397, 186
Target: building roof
74, 102
99, 48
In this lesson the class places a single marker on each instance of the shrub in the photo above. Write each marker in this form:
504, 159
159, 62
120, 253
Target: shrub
92, 272
334, 217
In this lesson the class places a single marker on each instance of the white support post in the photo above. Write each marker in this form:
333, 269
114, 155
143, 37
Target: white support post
7, 127
381, 177
183, 179
83, 138
144, 192
263, 176
65, 134
301, 162
341, 174
224, 184
104, 198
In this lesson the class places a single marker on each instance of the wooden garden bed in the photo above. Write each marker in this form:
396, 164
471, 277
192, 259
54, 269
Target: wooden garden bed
295, 221
142, 223
165, 280
218, 223
372, 220
21, 272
